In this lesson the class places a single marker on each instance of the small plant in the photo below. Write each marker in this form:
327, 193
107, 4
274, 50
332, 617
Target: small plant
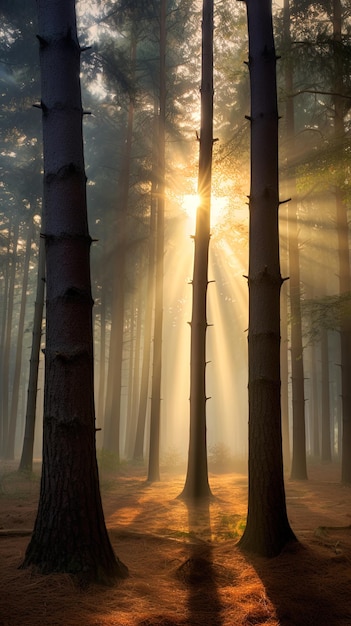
107, 461
172, 459
220, 458
230, 527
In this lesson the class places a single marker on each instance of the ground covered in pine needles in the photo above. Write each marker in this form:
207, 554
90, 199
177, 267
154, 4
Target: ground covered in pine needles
185, 568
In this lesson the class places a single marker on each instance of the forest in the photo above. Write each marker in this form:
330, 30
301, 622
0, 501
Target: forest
175, 363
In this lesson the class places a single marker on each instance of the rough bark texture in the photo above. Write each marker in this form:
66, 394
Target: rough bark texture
196, 484
69, 533
267, 530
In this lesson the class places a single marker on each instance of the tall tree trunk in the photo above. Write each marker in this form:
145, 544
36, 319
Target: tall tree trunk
267, 529
196, 484
7, 339
114, 377
4, 311
26, 462
69, 533
326, 452
298, 463
155, 417
284, 353
145, 370
134, 376
343, 250
10, 447
314, 404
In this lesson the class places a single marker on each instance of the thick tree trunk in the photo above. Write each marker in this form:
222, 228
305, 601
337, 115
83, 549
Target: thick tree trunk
69, 533
155, 417
196, 484
267, 530
26, 462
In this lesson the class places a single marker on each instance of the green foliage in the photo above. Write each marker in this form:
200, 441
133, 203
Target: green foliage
107, 461
220, 458
230, 527
172, 459
324, 314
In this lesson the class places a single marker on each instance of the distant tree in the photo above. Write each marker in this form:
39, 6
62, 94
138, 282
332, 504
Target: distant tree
69, 533
298, 463
155, 418
267, 529
196, 484
26, 461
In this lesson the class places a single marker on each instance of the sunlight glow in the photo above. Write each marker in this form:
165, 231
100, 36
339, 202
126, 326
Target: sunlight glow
191, 202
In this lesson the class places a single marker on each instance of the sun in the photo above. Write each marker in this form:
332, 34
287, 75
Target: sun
190, 203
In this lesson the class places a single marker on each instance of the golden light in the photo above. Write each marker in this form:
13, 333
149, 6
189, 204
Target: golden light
191, 202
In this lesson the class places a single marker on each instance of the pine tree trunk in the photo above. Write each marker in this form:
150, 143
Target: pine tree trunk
114, 379
343, 249
145, 370
7, 339
267, 530
298, 463
26, 462
326, 452
155, 416
196, 484
69, 533
10, 447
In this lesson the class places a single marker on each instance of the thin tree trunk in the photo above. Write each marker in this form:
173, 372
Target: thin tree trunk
26, 462
3, 419
155, 418
343, 250
314, 404
267, 529
298, 463
114, 377
10, 447
326, 453
8, 334
145, 370
196, 484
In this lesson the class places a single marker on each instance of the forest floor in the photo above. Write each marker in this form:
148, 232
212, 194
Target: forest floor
185, 568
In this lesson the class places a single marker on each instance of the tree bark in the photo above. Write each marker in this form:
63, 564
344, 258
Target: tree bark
343, 249
196, 484
7, 338
69, 533
155, 417
298, 463
26, 462
114, 377
267, 529
10, 446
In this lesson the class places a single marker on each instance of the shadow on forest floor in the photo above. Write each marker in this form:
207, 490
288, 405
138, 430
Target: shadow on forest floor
185, 568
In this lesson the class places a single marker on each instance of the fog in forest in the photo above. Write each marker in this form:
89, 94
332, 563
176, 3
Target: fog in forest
120, 82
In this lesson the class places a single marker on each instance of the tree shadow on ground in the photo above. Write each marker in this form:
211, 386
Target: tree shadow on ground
290, 584
199, 573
